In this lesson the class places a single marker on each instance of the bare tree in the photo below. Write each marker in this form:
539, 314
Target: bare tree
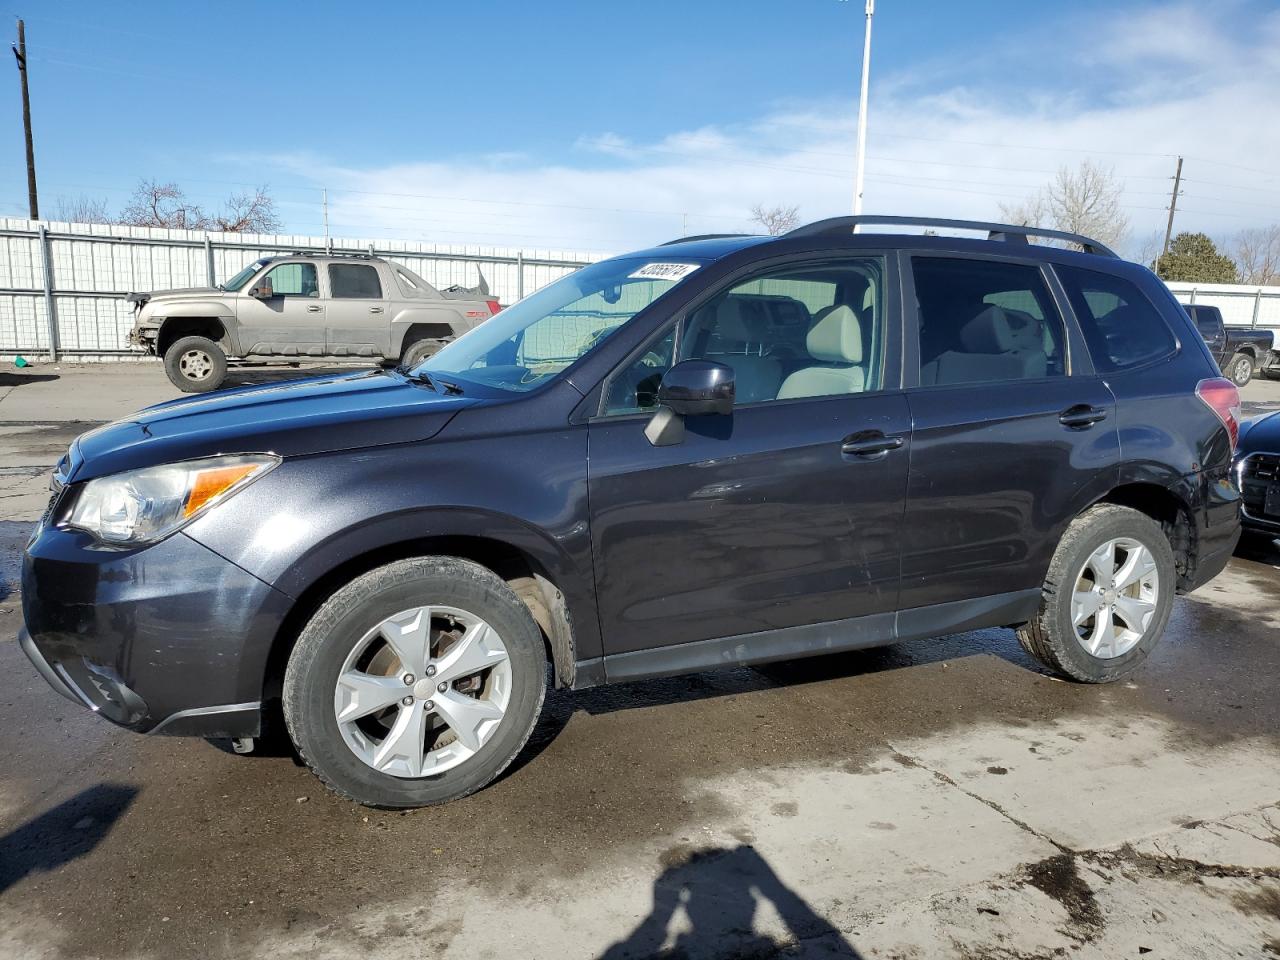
162, 205
249, 213
81, 209
1257, 253
1147, 251
1085, 200
776, 220
165, 205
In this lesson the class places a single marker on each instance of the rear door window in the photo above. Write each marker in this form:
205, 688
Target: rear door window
1121, 326
354, 281
984, 321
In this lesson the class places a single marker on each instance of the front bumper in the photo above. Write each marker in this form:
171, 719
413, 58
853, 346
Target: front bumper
170, 638
144, 337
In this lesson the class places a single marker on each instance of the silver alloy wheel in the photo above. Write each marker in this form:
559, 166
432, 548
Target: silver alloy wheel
1243, 372
1114, 598
196, 365
423, 691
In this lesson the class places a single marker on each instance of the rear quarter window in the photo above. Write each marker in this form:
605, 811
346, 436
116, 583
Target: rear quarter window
1121, 326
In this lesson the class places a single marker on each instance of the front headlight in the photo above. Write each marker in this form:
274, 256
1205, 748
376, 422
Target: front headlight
143, 506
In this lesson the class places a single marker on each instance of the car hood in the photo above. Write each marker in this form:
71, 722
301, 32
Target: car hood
1260, 433
318, 415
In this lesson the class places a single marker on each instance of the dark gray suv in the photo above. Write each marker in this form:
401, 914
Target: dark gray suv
719, 451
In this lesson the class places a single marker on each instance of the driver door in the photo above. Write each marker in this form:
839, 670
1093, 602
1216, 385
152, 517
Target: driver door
287, 317
769, 519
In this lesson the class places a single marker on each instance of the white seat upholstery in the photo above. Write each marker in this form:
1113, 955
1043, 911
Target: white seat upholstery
998, 345
836, 340
755, 377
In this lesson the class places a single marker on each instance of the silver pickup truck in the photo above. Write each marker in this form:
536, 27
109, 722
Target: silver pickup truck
303, 306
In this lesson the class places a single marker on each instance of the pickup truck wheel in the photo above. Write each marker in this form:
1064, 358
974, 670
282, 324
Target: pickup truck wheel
1240, 369
1106, 598
195, 364
418, 351
416, 683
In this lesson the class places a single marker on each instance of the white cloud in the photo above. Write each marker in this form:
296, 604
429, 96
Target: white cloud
1141, 88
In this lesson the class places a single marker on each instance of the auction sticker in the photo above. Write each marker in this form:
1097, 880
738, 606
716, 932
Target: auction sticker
664, 271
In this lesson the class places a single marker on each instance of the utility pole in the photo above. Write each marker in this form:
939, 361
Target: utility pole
1173, 206
862, 111
20, 54
324, 203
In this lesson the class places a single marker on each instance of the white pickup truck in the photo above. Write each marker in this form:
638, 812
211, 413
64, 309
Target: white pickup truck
303, 306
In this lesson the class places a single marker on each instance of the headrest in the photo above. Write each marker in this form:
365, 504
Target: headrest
989, 332
837, 336
734, 324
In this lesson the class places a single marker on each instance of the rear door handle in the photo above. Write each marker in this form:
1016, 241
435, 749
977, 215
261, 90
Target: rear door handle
375, 309
313, 308
1081, 416
869, 445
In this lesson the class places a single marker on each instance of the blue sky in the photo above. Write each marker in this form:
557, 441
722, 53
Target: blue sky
610, 124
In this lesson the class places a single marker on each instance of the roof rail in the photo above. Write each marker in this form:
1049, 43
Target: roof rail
1008, 232
352, 254
704, 236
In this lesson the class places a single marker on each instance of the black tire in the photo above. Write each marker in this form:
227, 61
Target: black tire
195, 364
1051, 637
1240, 369
1272, 373
334, 630
418, 351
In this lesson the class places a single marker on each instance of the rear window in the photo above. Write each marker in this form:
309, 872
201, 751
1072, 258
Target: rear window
1122, 327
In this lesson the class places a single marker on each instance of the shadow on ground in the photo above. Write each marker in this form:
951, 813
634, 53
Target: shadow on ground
18, 379
67, 832
719, 890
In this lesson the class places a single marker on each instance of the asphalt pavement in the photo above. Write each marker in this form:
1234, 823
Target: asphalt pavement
941, 798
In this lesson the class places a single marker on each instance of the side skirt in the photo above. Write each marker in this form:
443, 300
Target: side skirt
790, 643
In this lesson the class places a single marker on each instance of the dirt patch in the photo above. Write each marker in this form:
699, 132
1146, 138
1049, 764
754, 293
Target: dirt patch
1263, 902
1058, 878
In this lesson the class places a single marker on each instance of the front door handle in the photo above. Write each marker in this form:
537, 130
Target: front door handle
313, 308
869, 445
1081, 416
375, 309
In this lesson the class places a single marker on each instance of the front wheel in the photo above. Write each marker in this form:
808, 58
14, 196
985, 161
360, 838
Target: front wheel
1106, 598
1240, 369
416, 683
195, 364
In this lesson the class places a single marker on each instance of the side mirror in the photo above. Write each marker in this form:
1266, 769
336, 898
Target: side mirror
689, 389
695, 387
262, 291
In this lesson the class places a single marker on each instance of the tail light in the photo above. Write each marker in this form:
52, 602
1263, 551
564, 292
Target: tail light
494, 306
1221, 396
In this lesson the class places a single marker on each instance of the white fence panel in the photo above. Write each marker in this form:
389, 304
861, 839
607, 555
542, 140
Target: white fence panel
92, 266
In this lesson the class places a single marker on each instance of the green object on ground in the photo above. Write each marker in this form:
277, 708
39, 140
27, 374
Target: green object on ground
20, 362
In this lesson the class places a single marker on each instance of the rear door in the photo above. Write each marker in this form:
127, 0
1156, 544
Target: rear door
1012, 432
290, 322
1208, 321
785, 513
356, 313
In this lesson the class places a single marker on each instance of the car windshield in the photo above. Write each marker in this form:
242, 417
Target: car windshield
241, 278
531, 341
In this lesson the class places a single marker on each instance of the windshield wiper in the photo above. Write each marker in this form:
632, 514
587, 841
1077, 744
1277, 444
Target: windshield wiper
450, 388
421, 377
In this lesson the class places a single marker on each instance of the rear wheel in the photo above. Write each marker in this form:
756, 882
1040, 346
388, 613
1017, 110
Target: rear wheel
416, 683
1240, 369
418, 351
195, 364
1107, 596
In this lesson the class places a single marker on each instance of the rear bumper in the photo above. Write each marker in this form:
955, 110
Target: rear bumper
1218, 529
170, 639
